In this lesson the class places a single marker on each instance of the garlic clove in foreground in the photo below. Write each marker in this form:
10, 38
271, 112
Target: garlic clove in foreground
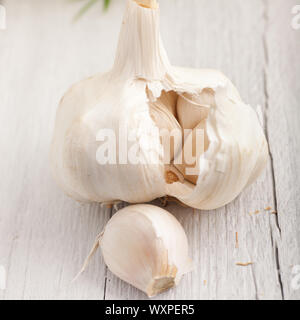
145, 246
141, 95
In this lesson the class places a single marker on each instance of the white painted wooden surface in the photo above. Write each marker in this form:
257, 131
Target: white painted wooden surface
45, 236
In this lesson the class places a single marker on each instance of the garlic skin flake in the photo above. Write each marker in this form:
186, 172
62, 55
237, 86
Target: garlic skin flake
145, 246
144, 92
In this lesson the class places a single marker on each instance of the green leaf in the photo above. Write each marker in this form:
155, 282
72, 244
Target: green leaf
85, 8
106, 4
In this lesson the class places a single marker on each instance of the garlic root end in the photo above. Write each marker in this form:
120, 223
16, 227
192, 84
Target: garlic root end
163, 282
172, 174
160, 285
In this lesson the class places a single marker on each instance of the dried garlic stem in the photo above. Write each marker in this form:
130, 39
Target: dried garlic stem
150, 4
241, 264
236, 240
89, 257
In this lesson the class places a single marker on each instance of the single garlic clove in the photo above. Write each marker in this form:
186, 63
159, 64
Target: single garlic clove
192, 109
195, 144
169, 101
163, 112
145, 246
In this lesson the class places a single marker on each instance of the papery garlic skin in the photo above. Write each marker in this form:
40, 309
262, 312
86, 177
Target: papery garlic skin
236, 152
147, 247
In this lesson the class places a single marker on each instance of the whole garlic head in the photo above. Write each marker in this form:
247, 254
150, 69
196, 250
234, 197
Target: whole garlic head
145, 246
142, 93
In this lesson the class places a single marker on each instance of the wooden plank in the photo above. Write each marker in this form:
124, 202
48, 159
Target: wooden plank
283, 113
231, 39
44, 235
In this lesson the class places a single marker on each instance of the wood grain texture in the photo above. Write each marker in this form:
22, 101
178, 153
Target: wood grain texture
283, 114
45, 236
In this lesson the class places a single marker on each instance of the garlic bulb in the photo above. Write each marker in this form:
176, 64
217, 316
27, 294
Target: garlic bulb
143, 93
145, 246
